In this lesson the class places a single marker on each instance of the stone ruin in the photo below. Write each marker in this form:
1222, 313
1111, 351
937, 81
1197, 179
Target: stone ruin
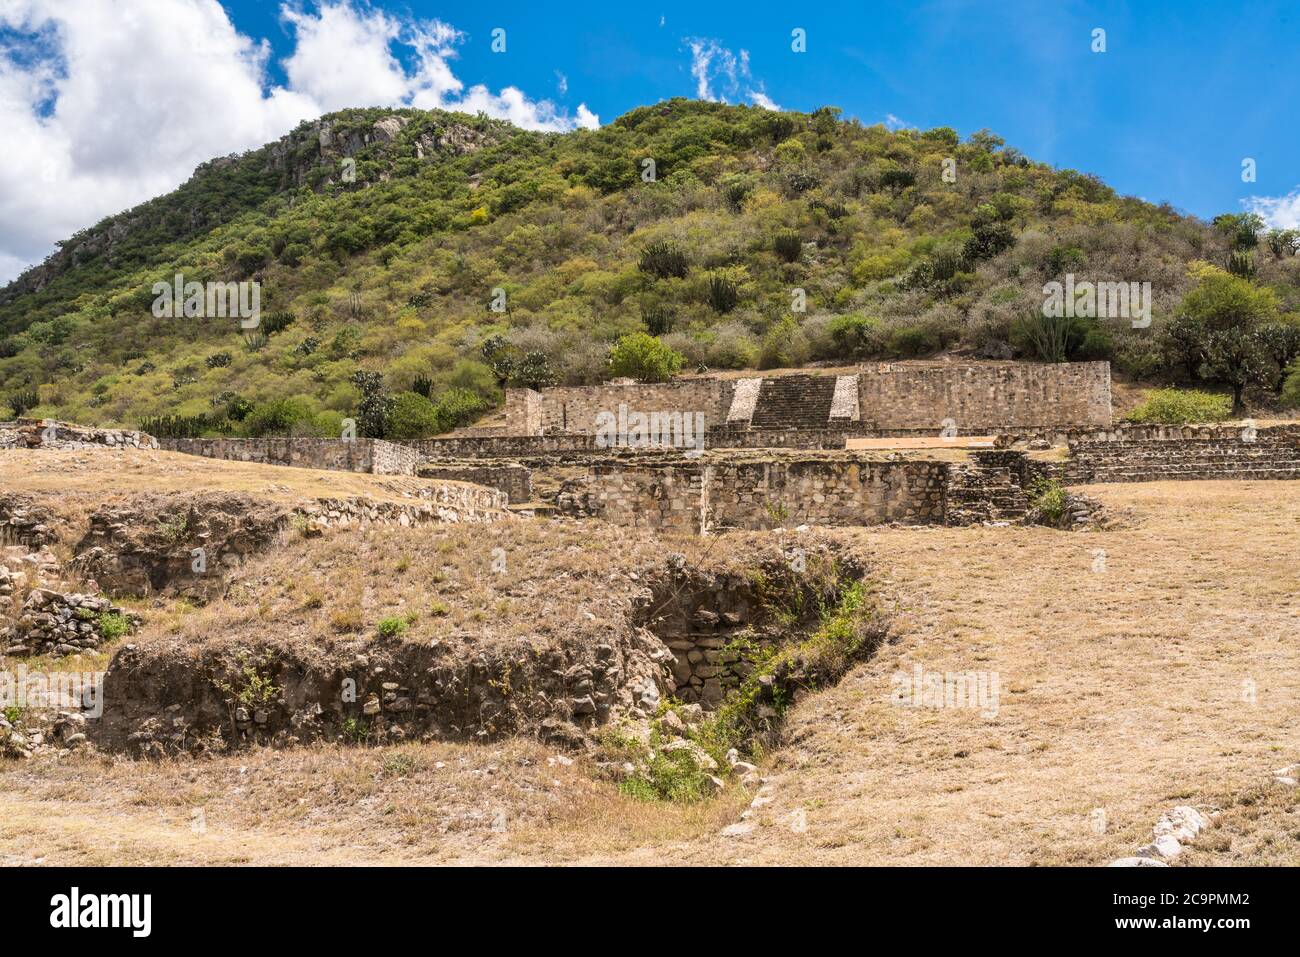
776, 450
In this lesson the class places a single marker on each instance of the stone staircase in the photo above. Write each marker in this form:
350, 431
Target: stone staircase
1184, 459
795, 402
982, 493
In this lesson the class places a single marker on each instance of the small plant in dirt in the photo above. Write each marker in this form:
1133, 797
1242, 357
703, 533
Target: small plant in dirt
668, 776
13, 714
251, 686
172, 530
355, 730
777, 512
1048, 498
395, 625
113, 625
399, 765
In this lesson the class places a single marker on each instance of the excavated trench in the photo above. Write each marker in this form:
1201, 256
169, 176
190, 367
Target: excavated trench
687, 633
675, 630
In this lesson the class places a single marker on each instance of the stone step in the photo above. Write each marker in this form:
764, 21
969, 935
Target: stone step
794, 402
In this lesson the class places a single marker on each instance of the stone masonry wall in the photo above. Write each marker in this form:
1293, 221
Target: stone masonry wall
1206, 453
977, 396
985, 396
574, 408
359, 455
509, 477
753, 495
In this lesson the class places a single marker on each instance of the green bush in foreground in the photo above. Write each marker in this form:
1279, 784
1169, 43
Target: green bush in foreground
1178, 406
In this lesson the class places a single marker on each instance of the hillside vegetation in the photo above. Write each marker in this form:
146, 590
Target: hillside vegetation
412, 263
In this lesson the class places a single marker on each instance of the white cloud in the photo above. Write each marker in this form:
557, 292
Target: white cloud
893, 122
103, 110
722, 76
1278, 212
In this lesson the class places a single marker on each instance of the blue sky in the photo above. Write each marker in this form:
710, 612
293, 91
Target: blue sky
106, 110
1183, 92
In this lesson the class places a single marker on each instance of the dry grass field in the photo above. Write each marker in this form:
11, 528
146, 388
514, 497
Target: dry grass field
1166, 671
97, 474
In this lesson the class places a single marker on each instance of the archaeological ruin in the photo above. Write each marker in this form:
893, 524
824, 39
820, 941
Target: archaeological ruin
925, 442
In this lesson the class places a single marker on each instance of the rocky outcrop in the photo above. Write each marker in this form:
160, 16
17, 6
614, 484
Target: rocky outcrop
25, 521
178, 544
49, 434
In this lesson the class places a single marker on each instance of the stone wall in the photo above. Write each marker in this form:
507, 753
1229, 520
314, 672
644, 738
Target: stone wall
1206, 453
508, 477
687, 496
48, 434
986, 396
57, 623
977, 396
523, 412
511, 446
574, 408
337, 455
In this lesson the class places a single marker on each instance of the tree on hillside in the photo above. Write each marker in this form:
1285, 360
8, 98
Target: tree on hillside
1281, 341
1220, 320
376, 405
1241, 229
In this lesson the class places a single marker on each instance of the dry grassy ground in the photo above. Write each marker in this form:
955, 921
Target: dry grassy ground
100, 472
1171, 675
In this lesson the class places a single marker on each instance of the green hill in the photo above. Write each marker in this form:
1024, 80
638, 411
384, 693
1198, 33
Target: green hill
383, 239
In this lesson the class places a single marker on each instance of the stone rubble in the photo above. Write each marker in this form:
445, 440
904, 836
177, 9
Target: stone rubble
58, 623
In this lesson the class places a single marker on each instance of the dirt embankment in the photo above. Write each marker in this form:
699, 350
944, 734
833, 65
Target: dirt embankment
386, 634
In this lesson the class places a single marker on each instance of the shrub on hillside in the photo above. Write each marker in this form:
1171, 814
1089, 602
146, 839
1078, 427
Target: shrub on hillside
279, 417
664, 260
784, 346
1291, 387
413, 417
1060, 338
1179, 406
854, 336
788, 246
644, 357
458, 407
722, 294
910, 342
23, 401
